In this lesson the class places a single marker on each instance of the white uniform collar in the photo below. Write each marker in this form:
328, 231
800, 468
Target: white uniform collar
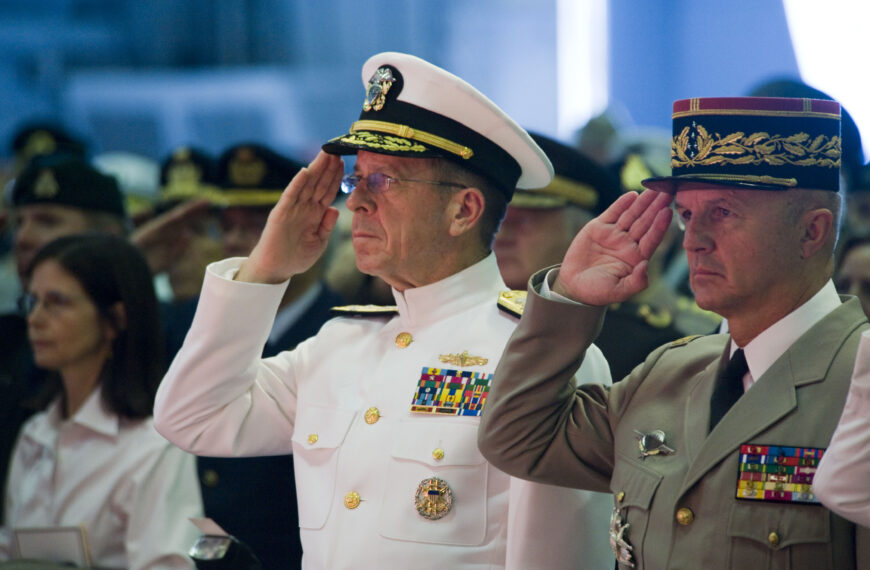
762, 351
452, 295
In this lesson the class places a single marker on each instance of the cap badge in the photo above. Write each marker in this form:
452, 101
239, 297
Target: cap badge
621, 548
434, 498
40, 142
182, 172
46, 185
463, 359
246, 169
379, 86
652, 443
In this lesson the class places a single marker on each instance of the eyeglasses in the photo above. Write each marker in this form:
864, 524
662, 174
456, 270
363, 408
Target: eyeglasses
378, 182
53, 302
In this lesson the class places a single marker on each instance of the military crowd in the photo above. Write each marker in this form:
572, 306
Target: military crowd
444, 342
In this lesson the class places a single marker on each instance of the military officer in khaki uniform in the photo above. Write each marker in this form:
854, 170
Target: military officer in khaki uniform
381, 407
710, 446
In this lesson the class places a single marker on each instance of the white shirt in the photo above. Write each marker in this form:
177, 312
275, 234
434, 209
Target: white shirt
220, 398
842, 482
131, 489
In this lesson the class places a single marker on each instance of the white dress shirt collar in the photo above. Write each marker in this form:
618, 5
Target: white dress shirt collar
762, 351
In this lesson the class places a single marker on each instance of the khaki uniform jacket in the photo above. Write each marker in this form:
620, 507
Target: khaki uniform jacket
680, 508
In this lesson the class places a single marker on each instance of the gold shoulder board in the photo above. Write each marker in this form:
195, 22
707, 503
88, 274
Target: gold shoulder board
512, 302
685, 340
364, 311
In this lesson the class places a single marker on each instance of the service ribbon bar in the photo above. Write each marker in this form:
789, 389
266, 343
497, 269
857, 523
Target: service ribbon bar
777, 473
451, 392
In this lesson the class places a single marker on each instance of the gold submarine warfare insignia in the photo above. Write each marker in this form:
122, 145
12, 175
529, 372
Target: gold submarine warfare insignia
434, 498
463, 359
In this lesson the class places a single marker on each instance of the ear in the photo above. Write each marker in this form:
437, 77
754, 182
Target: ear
465, 210
118, 322
818, 227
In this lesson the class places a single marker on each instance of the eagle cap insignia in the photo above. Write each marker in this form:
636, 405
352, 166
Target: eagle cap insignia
463, 359
379, 86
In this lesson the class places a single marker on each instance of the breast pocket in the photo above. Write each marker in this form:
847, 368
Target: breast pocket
317, 438
445, 449
633, 487
779, 536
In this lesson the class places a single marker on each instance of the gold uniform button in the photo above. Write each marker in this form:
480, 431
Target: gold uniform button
312, 438
210, 478
438, 454
372, 415
351, 500
404, 339
620, 496
685, 516
773, 539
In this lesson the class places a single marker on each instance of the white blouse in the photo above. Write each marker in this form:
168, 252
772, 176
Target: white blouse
131, 489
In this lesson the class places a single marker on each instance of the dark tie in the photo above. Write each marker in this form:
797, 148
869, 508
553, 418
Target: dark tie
729, 387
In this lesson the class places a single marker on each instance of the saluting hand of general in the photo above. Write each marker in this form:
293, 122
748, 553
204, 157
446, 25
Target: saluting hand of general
607, 261
298, 228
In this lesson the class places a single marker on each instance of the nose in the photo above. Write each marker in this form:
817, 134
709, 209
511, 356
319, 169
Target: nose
360, 198
696, 236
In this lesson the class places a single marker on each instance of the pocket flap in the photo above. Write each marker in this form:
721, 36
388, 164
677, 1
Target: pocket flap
779, 525
321, 428
637, 483
451, 442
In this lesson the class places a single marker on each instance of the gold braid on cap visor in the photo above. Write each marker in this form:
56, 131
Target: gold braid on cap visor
407, 132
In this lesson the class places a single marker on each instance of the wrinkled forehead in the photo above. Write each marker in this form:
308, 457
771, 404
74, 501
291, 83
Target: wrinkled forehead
369, 162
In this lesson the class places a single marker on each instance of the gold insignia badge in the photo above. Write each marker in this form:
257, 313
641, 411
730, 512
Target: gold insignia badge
434, 498
379, 86
46, 185
40, 142
463, 359
618, 543
246, 169
652, 443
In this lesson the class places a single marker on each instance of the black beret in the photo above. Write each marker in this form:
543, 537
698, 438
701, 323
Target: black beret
64, 180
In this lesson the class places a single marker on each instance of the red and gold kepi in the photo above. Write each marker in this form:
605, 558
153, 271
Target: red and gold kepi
757, 143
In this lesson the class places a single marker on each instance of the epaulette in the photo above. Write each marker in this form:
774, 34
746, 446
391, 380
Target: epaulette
685, 340
364, 311
512, 302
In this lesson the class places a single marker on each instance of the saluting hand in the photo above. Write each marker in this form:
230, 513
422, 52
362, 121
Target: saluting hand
299, 225
607, 261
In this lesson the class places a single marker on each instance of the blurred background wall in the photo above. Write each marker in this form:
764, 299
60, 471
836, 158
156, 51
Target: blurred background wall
149, 75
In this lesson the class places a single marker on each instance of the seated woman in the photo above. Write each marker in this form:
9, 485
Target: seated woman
92, 459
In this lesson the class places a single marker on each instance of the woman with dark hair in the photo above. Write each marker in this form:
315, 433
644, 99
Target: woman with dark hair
92, 459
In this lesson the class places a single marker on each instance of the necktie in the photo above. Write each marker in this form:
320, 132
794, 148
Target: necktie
729, 387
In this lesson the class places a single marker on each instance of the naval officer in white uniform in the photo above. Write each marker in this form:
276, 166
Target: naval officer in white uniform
381, 409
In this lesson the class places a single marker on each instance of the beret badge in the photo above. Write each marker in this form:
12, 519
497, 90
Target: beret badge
46, 185
379, 86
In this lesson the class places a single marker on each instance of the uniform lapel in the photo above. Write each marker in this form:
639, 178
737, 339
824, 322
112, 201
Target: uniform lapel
773, 395
698, 405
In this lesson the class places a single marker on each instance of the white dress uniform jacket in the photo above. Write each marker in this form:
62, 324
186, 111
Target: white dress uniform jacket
341, 401
842, 482
131, 489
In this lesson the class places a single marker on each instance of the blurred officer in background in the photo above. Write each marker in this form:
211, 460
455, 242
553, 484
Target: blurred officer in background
540, 225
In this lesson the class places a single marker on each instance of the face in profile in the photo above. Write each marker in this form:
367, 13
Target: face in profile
35, 225
65, 329
853, 273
